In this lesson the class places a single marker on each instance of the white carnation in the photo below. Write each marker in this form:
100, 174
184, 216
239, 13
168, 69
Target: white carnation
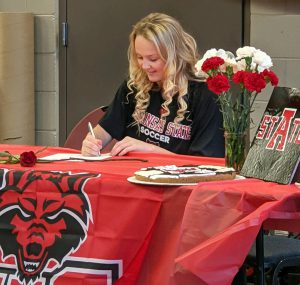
221, 53
198, 67
263, 60
245, 51
241, 65
226, 55
210, 53
230, 60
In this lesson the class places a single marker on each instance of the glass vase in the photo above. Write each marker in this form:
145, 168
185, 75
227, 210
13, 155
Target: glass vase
236, 148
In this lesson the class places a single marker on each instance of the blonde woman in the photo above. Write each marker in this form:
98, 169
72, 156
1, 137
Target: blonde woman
163, 107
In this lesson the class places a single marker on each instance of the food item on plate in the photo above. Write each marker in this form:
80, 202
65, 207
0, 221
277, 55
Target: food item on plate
184, 173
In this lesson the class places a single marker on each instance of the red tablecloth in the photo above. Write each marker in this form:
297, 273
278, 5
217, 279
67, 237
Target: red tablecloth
134, 225
155, 235
221, 222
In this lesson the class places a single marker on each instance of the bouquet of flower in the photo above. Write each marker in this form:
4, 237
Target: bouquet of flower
237, 80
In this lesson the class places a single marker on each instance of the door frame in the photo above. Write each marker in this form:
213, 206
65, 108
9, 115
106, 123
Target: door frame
62, 18
62, 76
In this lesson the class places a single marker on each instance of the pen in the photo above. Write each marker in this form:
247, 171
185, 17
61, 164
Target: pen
92, 132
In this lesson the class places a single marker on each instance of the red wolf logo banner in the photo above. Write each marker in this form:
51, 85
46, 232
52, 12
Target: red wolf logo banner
44, 216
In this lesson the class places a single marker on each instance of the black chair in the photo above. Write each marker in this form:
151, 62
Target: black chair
281, 254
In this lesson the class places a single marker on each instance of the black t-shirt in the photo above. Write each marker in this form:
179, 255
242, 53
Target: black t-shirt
200, 133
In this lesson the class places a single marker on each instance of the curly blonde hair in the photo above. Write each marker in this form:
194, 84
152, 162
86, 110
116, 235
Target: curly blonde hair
177, 48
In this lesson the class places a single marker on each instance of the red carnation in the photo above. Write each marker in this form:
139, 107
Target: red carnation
212, 63
238, 77
28, 158
218, 84
270, 76
254, 82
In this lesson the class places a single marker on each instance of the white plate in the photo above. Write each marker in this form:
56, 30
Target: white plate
132, 179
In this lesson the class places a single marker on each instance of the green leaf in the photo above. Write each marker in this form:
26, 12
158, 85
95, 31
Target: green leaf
5, 154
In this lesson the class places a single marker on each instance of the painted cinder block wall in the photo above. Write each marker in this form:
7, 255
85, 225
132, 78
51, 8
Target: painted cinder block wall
46, 64
274, 28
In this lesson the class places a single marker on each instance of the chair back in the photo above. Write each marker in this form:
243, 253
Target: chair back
79, 132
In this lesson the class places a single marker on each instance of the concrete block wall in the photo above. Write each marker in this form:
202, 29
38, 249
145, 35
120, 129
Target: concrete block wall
46, 64
275, 29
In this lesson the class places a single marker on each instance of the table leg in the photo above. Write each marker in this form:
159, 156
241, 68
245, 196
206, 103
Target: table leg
260, 257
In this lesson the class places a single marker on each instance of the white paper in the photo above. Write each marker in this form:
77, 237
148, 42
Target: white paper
74, 157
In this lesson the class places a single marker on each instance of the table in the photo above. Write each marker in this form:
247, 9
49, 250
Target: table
130, 233
131, 227
238, 209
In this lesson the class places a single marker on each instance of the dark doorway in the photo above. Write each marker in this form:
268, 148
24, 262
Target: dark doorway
94, 62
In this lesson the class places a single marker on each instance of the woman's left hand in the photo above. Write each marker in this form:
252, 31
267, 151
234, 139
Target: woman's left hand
130, 144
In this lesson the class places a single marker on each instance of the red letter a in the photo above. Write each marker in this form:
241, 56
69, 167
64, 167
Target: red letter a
282, 130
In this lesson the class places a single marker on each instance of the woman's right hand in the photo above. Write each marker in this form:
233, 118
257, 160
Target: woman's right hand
91, 146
